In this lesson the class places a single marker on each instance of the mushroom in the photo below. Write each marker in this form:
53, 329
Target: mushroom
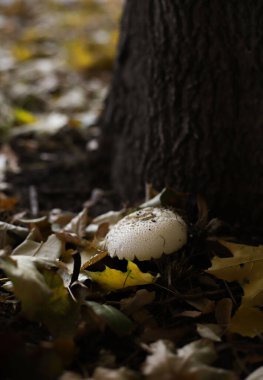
146, 234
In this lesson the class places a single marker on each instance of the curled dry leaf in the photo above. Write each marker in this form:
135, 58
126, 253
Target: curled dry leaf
78, 224
10, 234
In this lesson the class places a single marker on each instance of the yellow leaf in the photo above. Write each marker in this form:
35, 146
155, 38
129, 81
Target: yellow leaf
24, 117
248, 321
22, 52
246, 267
80, 57
113, 279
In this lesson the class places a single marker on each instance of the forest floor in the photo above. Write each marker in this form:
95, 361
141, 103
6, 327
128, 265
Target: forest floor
67, 310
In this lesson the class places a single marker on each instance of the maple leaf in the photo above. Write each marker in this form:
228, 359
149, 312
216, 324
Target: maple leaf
114, 279
245, 267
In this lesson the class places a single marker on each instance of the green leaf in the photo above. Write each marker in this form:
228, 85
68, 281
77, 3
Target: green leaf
115, 319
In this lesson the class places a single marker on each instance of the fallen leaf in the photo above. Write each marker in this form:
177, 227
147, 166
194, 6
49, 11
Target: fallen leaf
256, 375
247, 321
210, 331
78, 224
115, 319
246, 267
223, 311
204, 305
189, 314
10, 234
69, 375
191, 362
121, 373
23, 116
41, 292
46, 124
167, 197
7, 203
141, 298
29, 284
113, 279
110, 217
93, 259
51, 249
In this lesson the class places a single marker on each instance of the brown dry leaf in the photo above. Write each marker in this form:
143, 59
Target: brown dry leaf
78, 224
102, 231
121, 373
204, 305
91, 257
59, 219
7, 203
135, 307
71, 238
246, 267
189, 314
133, 304
223, 311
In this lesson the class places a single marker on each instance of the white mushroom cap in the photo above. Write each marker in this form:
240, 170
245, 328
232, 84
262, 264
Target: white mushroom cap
146, 234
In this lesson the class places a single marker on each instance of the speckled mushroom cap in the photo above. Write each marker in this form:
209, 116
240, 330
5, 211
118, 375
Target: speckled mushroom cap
146, 234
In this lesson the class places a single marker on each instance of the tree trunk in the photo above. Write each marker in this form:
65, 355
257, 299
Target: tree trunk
185, 108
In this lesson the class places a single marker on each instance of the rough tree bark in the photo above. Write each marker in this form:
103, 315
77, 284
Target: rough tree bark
185, 107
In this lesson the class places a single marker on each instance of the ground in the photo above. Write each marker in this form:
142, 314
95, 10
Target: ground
67, 309
55, 66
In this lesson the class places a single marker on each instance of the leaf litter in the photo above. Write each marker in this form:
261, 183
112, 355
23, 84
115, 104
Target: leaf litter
86, 301
68, 310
